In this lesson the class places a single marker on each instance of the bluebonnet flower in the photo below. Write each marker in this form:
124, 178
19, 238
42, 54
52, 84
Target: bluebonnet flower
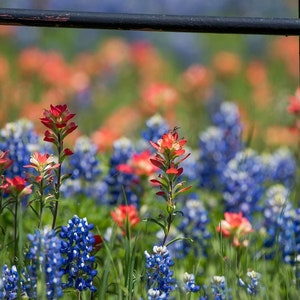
119, 183
282, 167
156, 127
212, 159
253, 287
279, 223
297, 243
193, 225
243, 180
189, 283
9, 283
21, 140
44, 256
160, 281
219, 288
218, 144
76, 248
85, 170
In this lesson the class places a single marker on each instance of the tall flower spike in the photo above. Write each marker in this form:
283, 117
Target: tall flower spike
57, 120
169, 154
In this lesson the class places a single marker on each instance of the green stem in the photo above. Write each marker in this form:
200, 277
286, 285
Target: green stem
16, 232
57, 193
41, 204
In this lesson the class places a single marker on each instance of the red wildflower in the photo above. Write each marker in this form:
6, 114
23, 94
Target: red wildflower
5, 162
294, 106
125, 213
139, 164
17, 186
57, 119
235, 226
98, 241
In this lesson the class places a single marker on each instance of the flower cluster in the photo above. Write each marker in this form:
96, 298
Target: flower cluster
76, 248
253, 287
44, 267
279, 223
124, 216
9, 282
235, 227
160, 281
169, 154
189, 283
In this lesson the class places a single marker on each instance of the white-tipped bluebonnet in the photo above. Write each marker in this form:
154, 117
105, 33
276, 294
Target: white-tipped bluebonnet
85, 169
120, 184
21, 140
193, 226
156, 127
279, 223
76, 250
218, 144
252, 285
212, 158
160, 279
44, 261
219, 288
10, 283
281, 167
190, 285
243, 180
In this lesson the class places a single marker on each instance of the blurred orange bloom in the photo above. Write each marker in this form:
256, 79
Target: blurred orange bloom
226, 64
125, 213
139, 164
157, 97
235, 226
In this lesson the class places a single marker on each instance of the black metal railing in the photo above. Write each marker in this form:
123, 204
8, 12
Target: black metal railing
150, 22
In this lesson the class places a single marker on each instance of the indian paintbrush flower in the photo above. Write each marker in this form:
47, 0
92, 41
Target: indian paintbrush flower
235, 227
125, 214
58, 122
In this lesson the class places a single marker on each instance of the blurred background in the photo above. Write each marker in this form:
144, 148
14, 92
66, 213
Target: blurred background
115, 80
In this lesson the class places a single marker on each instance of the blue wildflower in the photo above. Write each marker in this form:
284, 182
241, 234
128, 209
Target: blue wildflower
119, 183
156, 127
253, 287
44, 256
9, 283
218, 144
219, 288
193, 226
282, 167
190, 284
21, 140
243, 180
76, 248
160, 281
85, 169
279, 222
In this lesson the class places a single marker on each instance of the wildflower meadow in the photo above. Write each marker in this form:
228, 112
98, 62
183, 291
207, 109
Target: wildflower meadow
132, 169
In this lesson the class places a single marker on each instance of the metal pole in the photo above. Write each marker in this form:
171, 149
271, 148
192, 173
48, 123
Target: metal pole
150, 22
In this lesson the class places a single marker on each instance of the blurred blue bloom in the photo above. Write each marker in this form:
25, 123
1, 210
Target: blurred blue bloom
243, 180
219, 288
21, 140
253, 287
218, 144
194, 226
156, 127
85, 169
279, 218
9, 281
189, 283
160, 281
120, 184
282, 167
44, 256
76, 248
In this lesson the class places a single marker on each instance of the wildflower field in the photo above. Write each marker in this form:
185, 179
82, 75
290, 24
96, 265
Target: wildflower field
135, 170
